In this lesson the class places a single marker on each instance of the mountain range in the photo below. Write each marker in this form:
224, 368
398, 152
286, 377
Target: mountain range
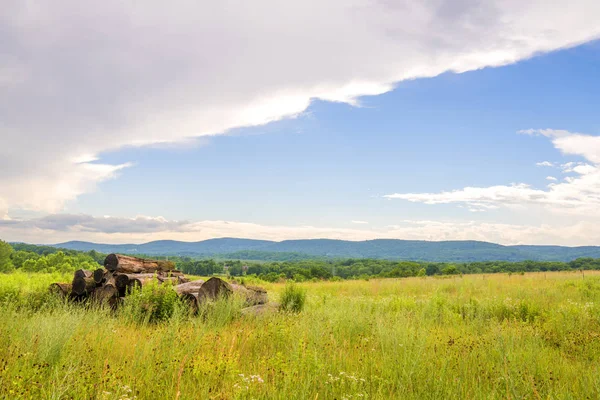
391, 249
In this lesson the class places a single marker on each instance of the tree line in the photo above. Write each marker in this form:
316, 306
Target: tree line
32, 258
303, 270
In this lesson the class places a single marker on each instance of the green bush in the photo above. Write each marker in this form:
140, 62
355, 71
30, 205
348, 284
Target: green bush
293, 298
6, 251
450, 270
299, 278
155, 303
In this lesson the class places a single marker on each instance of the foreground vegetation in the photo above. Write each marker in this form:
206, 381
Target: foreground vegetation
478, 336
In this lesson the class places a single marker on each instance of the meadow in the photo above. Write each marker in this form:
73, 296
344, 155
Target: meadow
531, 336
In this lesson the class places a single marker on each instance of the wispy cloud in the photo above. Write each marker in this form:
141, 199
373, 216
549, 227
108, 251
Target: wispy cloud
359, 222
482, 197
106, 224
544, 164
579, 194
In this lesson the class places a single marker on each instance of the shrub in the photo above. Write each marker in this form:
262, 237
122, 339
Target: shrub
450, 270
293, 298
270, 277
154, 303
299, 278
6, 264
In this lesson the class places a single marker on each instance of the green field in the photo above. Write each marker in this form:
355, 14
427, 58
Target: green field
474, 337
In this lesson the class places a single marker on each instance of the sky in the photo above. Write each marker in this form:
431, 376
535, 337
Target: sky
126, 122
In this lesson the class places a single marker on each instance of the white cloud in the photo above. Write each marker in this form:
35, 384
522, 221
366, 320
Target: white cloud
64, 227
544, 164
488, 197
3, 210
578, 194
359, 222
573, 166
79, 80
570, 143
551, 178
584, 169
49, 187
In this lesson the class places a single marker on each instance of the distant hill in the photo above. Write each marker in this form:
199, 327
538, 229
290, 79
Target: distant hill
391, 249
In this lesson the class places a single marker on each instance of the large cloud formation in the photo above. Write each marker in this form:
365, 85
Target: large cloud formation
79, 79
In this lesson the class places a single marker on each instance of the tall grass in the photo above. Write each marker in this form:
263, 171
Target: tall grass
292, 298
476, 337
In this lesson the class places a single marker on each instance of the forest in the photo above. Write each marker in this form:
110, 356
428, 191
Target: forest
32, 258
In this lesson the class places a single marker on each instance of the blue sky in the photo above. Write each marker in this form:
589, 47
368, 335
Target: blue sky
360, 167
334, 163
